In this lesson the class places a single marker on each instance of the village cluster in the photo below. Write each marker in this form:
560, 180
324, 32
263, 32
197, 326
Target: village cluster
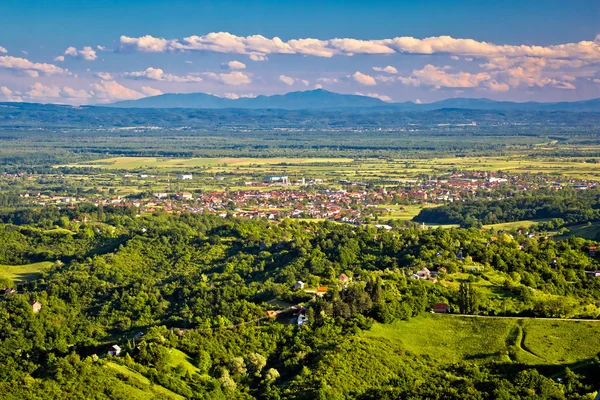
276, 197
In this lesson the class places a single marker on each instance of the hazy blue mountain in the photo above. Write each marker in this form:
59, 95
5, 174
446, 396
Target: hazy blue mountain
323, 100
308, 100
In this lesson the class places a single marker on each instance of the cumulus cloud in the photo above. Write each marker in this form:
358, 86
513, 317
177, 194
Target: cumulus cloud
596, 80
108, 91
147, 44
375, 95
431, 75
318, 86
455, 58
364, 79
233, 65
104, 75
41, 93
148, 91
86, 53
389, 69
3, 50
157, 74
232, 78
258, 46
286, 79
9, 95
22, 64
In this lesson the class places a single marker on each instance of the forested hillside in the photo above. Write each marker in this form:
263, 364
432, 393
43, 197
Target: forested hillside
187, 299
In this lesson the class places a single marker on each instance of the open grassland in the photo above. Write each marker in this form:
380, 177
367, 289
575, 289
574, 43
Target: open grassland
514, 225
450, 339
21, 273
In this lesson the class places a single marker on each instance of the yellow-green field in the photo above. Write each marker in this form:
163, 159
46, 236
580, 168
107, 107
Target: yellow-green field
186, 163
20, 273
349, 168
451, 339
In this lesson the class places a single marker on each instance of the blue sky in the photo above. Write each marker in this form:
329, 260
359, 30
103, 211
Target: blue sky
83, 52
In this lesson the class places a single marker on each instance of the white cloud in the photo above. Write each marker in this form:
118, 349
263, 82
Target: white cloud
59, 58
596, 80
43, 93
147, 44
232, 78
233, 65
318, 86
148, 91
431, 75
327, 80
389, 69
364, 79
235, 96
258, 47
108, 91
375, 95
157, 74
418, 101
87, 53
468, 58
9, 95
258, 57
305, 82
104, 75
286, 79
3, 50
22, 64
455, 58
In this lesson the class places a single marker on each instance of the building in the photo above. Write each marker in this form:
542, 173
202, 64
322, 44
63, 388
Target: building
161, 195
299, 285
441, 308
343, 278
302, 317
283, 179
36, 306
321, 290
114, 350
184, 196
185, 177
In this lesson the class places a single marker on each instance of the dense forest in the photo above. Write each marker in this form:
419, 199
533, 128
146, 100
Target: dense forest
202, 286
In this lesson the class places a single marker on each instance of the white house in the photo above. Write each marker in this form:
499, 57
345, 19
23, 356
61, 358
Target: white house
299, 285
185, 177
114, 350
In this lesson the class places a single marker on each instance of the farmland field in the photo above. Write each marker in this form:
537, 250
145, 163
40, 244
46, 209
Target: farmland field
355, 168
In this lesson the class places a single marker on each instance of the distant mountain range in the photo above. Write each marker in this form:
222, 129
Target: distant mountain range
324, 100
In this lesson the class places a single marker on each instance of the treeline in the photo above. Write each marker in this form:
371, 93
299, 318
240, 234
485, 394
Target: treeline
572, 206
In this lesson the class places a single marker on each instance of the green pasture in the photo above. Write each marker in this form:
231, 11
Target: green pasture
451, 339
21, 273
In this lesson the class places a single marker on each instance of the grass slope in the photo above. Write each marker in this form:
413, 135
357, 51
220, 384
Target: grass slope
449, 339
140, 386
20, 273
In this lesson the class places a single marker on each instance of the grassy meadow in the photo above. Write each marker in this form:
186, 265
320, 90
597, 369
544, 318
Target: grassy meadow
450, 339
21, 273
